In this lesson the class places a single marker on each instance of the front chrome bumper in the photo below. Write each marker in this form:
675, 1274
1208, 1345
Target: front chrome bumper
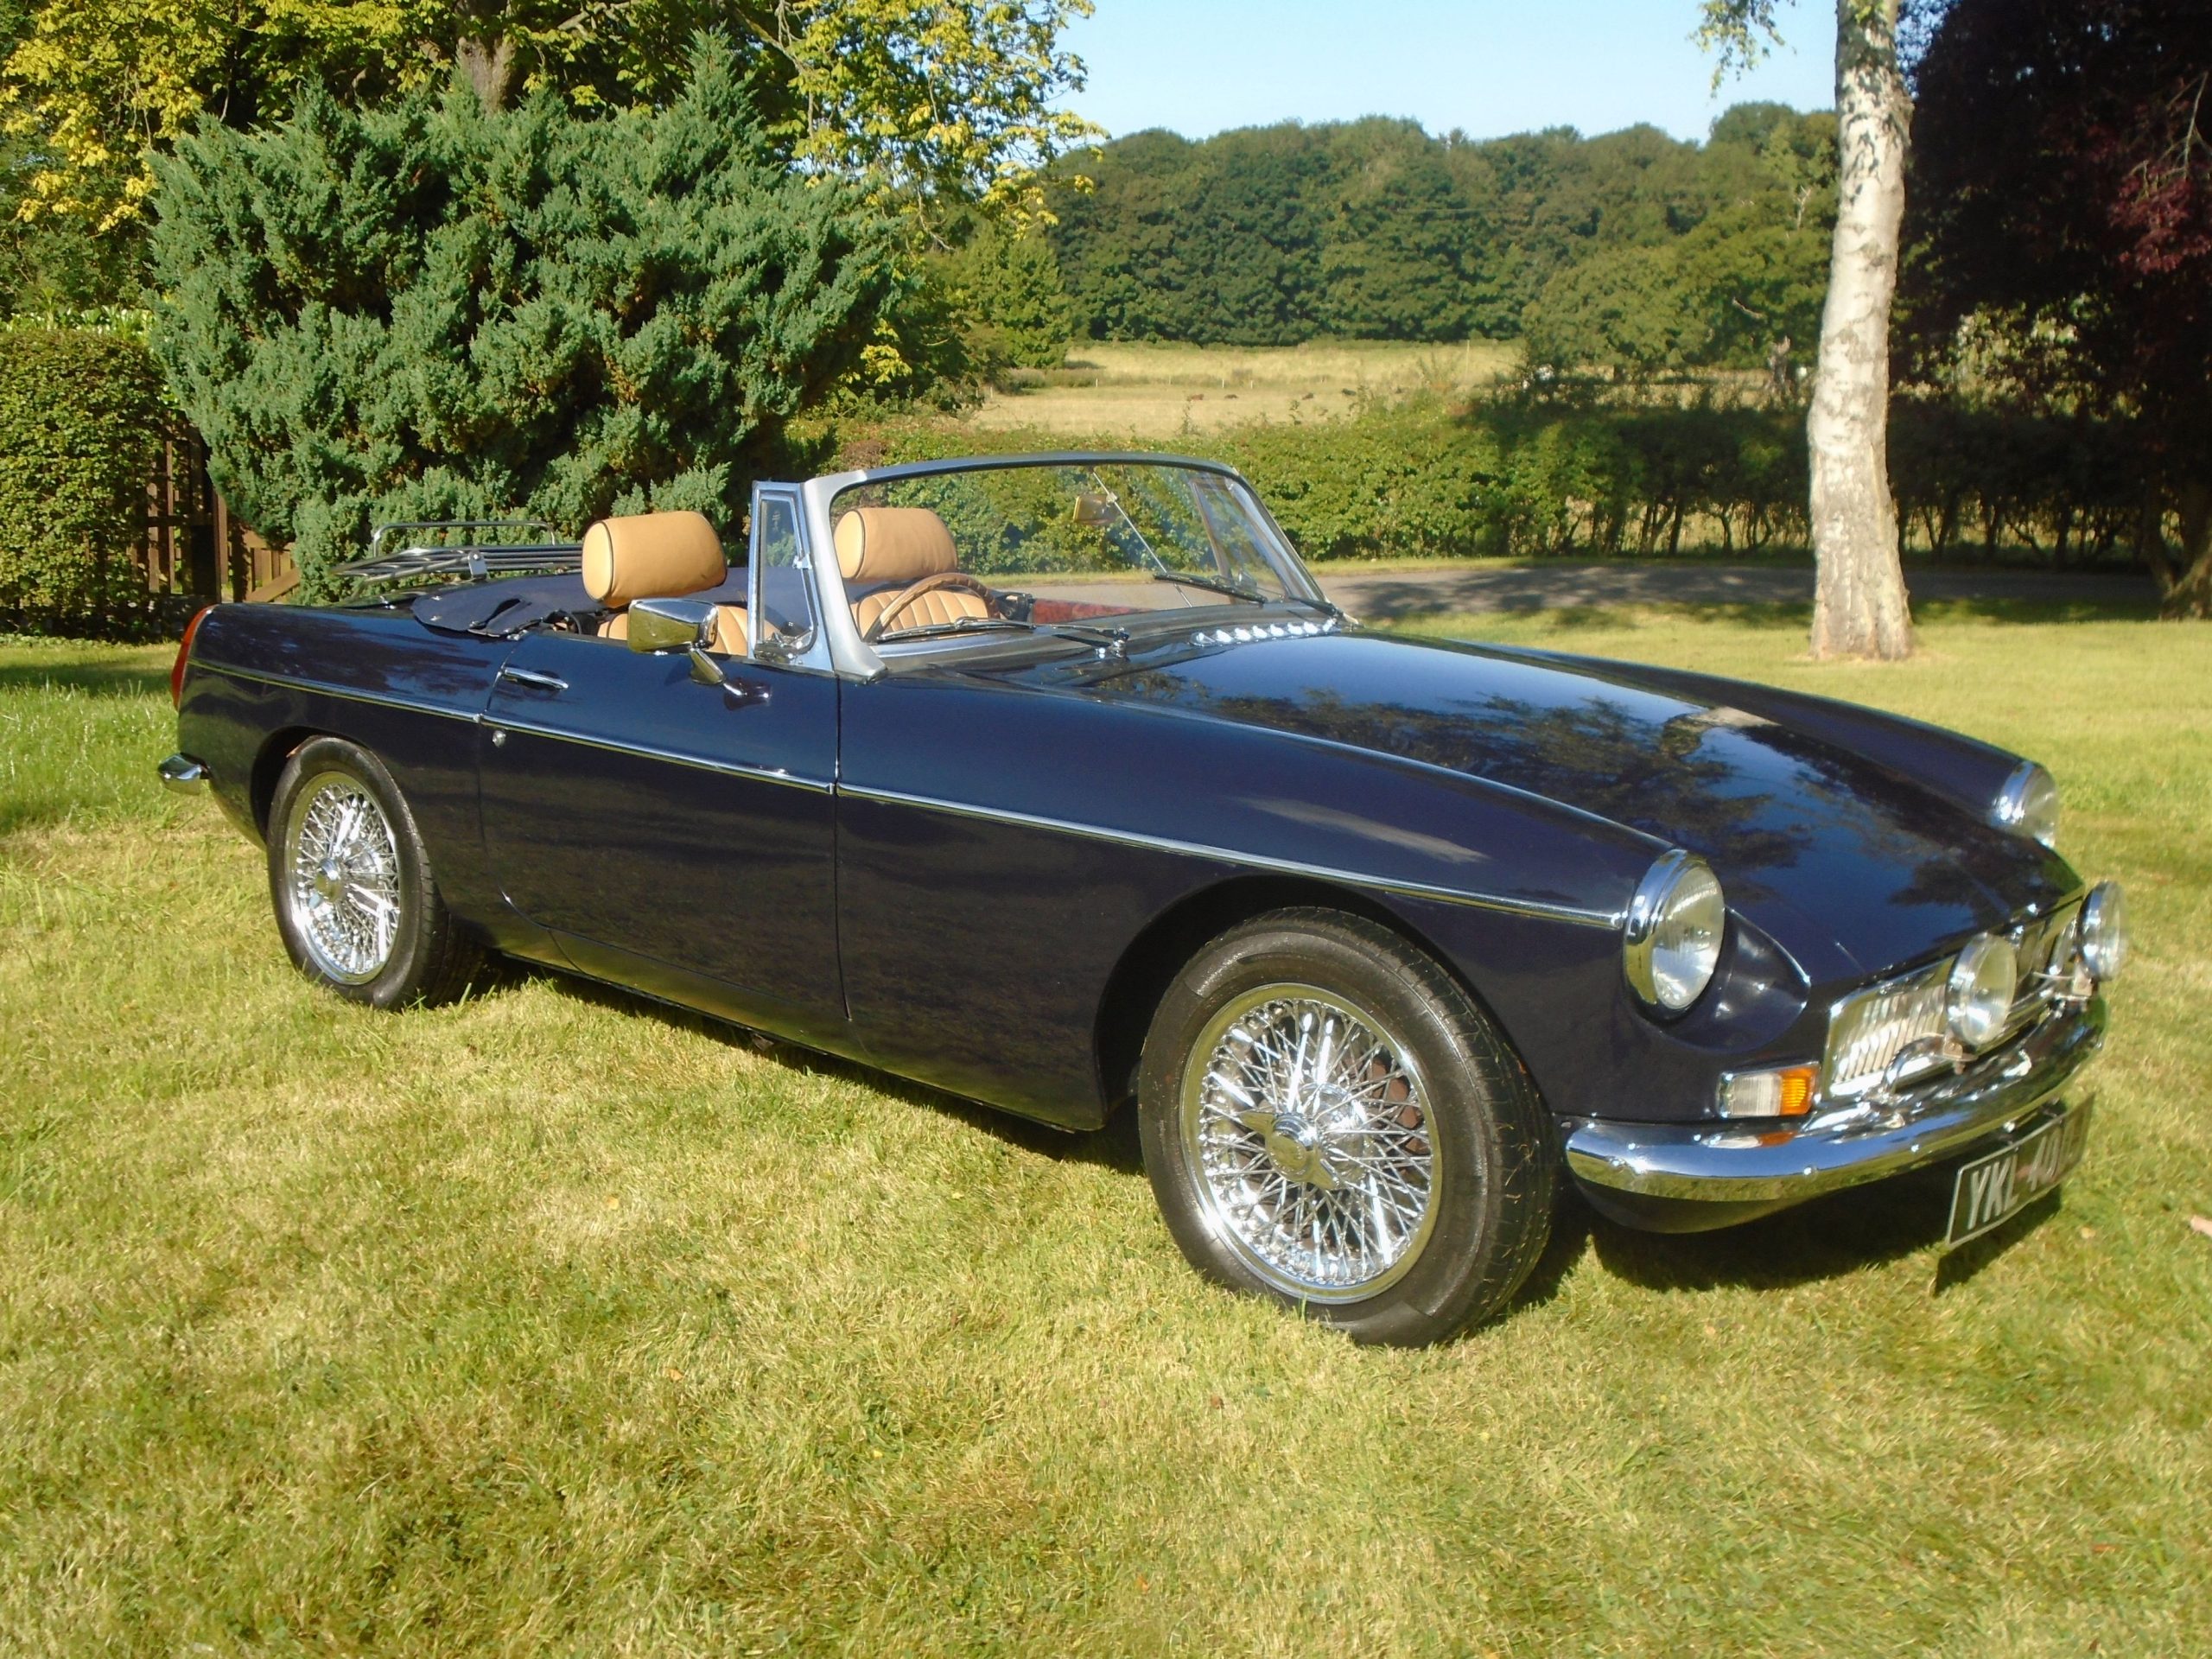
1683, 1177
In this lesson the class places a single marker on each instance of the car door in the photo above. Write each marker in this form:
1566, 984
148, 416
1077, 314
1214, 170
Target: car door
671, 834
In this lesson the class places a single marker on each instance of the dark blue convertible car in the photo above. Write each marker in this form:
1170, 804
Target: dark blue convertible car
1056, 781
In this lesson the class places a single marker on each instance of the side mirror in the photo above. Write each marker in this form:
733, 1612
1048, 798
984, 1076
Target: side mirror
658, 625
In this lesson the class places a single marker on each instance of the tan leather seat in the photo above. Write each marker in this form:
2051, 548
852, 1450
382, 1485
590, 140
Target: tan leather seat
658, 555
897, 547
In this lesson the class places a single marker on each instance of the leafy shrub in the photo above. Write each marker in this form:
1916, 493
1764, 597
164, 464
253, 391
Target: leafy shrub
81, 416
430, 311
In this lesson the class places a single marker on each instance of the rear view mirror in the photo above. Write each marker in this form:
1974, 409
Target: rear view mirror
1096, 508
658, 625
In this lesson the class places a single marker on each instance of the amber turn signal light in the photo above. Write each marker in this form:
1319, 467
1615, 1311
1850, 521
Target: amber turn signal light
1784, 1091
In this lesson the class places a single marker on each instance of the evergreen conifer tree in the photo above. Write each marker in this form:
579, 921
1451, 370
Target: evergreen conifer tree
434, 311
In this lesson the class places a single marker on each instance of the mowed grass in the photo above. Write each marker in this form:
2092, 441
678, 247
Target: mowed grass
1154, 391
557, 1322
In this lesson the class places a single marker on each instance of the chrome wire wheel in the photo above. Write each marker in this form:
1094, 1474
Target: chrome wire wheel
1307, 1126
341, 877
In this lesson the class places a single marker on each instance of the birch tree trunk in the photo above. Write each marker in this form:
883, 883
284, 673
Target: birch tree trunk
1859, 600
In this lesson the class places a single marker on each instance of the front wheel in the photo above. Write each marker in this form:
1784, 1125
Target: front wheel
356, 902
1329, 1120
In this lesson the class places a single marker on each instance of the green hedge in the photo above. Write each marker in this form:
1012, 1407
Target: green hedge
1538, 478
1420, 480
81, 416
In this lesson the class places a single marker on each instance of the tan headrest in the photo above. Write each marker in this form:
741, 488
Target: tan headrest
652, 556
893, 544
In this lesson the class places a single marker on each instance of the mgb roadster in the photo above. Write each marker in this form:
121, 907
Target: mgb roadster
1057, 782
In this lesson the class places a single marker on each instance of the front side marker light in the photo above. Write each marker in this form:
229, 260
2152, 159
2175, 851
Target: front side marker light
1782, 1091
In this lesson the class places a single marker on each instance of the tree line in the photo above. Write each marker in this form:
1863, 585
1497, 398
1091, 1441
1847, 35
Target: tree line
1632, 248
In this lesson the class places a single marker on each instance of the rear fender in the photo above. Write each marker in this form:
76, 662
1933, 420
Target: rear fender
263, 678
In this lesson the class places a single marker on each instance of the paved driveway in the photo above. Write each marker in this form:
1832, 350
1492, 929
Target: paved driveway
1383, 596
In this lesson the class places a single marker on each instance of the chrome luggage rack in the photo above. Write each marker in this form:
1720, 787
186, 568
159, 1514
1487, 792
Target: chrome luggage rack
420, 558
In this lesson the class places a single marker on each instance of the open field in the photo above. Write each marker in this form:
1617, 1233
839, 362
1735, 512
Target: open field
558, 1322
1155, 390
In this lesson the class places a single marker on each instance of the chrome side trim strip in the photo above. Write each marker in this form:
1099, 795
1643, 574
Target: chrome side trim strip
1534, 908
346, 693
699, 763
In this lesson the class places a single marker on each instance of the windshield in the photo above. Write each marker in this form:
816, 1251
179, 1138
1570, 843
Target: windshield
991, 549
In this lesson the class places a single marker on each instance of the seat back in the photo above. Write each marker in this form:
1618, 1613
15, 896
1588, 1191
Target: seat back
658, 555
885, 550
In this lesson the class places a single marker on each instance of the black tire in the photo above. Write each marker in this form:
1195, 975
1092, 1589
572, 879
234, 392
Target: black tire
426, 957
1479, 1143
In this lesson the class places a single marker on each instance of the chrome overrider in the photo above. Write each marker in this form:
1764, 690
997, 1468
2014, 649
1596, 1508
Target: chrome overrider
184, 774
1742, 1164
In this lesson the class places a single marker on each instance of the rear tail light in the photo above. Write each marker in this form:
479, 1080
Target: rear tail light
184, 656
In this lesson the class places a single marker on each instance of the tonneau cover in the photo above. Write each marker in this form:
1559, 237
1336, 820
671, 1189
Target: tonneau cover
502, 609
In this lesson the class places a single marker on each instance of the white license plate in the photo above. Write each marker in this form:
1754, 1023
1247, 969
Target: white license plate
1992, 1188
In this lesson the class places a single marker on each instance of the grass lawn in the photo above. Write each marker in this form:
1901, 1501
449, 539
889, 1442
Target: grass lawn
555, 1321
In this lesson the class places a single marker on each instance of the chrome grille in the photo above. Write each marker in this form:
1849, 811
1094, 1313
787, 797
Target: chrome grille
1867, 1031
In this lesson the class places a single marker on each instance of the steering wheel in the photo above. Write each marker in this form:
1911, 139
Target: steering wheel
926, 585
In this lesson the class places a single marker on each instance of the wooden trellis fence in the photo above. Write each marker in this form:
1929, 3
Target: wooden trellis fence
193, 544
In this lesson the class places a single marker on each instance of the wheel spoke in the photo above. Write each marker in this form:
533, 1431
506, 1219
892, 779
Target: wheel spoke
1310, 1131
343, 879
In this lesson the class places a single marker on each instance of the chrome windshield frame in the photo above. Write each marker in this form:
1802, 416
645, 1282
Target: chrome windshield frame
852, 656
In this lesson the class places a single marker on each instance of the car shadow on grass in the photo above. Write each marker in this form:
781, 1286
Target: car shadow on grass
1826, 1238
1113, 1147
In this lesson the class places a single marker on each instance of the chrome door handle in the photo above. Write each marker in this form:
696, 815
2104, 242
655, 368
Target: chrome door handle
533, 679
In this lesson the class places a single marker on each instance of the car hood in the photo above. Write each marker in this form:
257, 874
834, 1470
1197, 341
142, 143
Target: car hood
1849, 865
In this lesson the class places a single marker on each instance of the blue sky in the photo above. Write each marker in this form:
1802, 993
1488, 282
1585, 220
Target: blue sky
1488, 66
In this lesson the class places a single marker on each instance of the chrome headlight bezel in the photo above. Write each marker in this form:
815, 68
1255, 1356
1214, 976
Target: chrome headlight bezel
1978, 991
1670, 946
2028, 805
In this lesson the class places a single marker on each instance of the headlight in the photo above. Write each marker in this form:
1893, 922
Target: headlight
1979, 999
1672, 943
2104, 930
2028, 805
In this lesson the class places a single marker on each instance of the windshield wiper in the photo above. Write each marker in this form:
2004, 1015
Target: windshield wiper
1211, 584
1110, 641
959, 625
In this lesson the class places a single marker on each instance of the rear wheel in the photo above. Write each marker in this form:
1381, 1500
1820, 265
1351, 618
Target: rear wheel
1328, 1120
356, 901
